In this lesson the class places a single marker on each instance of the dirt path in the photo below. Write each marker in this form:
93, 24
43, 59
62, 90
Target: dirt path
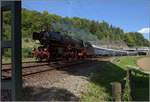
144, 63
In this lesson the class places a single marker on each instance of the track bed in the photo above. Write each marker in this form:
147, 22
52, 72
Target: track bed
30, 68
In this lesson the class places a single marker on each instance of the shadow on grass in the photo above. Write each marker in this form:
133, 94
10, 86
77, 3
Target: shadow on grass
102, 73
139, 85
47, 94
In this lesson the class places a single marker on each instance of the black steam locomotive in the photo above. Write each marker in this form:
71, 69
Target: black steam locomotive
56, 46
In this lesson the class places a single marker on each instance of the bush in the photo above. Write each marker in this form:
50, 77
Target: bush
127, 89
26, 40
6, 52
26, 52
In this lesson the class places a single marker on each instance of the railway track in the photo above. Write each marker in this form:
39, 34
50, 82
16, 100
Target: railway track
34, 67
30, 68
24, 65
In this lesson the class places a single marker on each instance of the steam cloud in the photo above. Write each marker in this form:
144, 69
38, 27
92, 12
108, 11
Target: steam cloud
74, 32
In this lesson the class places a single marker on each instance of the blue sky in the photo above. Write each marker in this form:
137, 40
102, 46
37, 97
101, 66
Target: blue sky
130, 15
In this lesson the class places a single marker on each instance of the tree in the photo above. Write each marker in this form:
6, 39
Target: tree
36, 21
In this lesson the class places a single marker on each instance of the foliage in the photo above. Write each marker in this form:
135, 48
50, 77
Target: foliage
26, 52
6, 52
127, 90
135, 39
78, 27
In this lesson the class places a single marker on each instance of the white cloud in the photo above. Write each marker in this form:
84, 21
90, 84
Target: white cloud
144, 30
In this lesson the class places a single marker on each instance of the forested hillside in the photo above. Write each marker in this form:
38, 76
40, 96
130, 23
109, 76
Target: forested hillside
88, 30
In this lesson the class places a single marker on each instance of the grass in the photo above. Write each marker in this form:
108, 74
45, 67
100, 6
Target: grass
127, 61
6, 60
100, 89
95, 94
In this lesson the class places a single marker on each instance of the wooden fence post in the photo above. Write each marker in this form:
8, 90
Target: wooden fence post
130, 82
116, 91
